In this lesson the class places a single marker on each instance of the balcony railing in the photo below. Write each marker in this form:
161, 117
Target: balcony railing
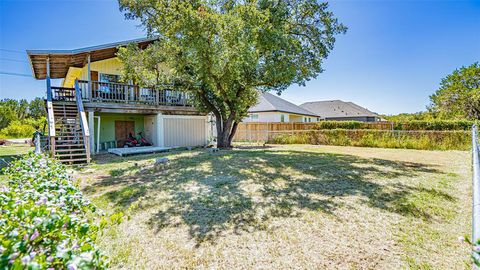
131, 94
63, 93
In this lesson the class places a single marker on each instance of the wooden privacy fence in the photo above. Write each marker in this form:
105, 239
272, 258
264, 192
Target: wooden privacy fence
264, 131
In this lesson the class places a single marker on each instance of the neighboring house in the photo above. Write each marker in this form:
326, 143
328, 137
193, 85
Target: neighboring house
93, 111
271, 108
340, 111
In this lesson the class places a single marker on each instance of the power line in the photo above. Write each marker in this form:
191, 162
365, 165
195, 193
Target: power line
13, 51
14, 74
13, 60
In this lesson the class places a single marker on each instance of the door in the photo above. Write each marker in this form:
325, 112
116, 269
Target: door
94, 79
122, 131
150, 128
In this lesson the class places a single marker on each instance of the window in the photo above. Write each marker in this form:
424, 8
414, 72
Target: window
254, 117
105, 79
282, 118
109, 78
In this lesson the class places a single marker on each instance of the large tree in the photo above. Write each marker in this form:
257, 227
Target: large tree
459, 94
224, 52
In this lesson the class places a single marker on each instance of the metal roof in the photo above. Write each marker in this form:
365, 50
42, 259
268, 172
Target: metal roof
337, 108
271, 103
62, 60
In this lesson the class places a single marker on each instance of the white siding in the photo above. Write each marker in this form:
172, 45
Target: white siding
276, 117
182, 131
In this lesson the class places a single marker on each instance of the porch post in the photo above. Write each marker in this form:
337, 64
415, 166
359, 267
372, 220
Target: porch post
160, 130
89, 78
49, 88
91, 127
98, 133
51, 120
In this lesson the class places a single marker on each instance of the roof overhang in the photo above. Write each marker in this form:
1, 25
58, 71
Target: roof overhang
61, 60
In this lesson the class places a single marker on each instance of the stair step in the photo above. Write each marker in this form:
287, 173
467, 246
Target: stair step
71, 155
68, 124
67, 141
61, 108
69, 128
69, 150
73, 160
69, 145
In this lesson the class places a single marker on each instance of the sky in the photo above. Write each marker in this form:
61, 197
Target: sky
391, 59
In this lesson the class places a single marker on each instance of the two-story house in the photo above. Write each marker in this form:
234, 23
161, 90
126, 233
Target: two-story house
93, 111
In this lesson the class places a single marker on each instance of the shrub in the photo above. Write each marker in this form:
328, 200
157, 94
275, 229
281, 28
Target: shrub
427, 140
434, 125
46, 222
17, 129
398, 125
340, 124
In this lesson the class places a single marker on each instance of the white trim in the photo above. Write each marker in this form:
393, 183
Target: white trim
185, 116
160, 130
91, 127
98, 133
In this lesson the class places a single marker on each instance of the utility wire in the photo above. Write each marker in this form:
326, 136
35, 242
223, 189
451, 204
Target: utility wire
14, 74
13, 51
13, 60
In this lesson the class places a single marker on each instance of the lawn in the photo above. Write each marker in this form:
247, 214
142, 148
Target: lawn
295, 206
8, 153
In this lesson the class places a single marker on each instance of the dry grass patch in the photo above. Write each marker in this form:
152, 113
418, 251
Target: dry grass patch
293, 206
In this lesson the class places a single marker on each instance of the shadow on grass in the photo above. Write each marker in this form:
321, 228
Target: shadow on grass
11, 153
241, 190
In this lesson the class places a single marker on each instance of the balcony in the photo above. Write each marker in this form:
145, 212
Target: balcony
102, 92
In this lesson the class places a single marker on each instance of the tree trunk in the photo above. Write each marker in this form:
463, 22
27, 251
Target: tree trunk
225, 133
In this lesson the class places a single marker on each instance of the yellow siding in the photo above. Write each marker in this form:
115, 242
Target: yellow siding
72, 74
108, 66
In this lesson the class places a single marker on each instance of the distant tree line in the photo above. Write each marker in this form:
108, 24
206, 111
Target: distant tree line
20, 118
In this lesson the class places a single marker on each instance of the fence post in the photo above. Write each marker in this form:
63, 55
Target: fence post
37, 143
476, 192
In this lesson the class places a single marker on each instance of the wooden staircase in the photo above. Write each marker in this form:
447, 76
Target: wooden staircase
69, 145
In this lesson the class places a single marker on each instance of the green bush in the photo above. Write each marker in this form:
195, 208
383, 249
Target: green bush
45, 222
434, 125
17, 129
427, 140
340, 124
398, 125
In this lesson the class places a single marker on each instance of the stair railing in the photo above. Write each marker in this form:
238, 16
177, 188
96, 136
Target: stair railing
50, 118
83, 120
476, 198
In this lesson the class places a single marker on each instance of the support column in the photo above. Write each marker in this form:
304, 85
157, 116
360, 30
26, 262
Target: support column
50, 117
49, 88
160, 130
98, 133
91, 127
89, 78
207, 129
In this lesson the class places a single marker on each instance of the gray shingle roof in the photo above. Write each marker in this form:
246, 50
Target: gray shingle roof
337, 108
272, 103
